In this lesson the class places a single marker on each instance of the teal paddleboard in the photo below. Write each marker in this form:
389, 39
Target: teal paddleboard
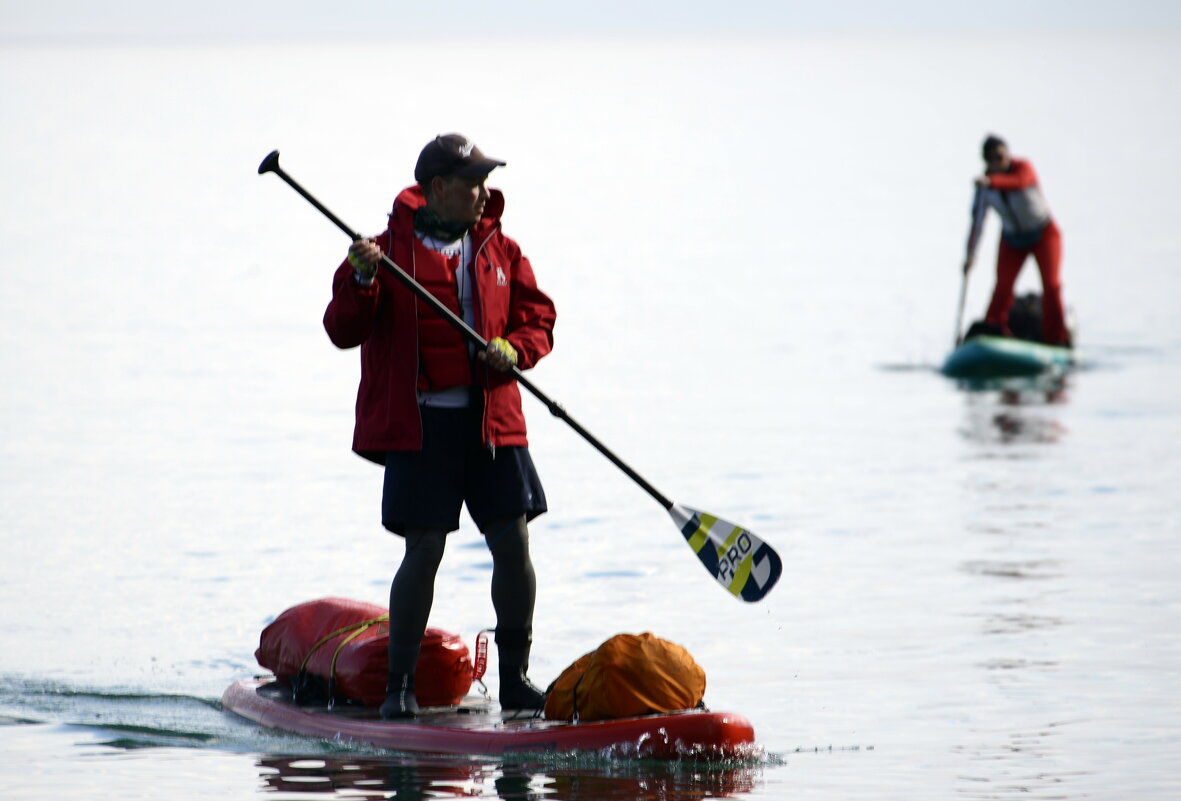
1003, 357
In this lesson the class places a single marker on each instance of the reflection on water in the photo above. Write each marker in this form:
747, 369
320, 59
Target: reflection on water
1031, 744
1045, 388
1014, 502
1034, 569
369, 777
1019, 623
572, 778
1015, 411
1017, 664
1015, 428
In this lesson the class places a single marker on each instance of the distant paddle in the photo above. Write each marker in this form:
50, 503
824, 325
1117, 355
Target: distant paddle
738, 560
959, 317
973, 238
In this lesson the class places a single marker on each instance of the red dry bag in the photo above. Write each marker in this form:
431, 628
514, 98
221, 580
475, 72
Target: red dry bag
345, 643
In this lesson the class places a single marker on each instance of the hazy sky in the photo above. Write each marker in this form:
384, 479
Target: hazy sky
255, 19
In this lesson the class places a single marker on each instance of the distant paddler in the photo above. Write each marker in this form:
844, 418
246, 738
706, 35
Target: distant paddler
1011, 186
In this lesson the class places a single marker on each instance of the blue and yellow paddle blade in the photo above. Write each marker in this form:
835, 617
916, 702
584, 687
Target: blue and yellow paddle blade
738, 560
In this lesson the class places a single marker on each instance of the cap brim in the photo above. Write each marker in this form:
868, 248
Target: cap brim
478, 169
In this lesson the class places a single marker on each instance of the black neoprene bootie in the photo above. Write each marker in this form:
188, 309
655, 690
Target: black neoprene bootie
400, 701
516, 691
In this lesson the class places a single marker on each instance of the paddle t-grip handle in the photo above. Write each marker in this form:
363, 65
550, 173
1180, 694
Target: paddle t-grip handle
271, 164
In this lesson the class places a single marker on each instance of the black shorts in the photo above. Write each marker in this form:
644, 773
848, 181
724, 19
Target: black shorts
426, 489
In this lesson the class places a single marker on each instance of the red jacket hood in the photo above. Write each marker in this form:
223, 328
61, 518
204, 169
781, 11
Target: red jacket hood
411, 199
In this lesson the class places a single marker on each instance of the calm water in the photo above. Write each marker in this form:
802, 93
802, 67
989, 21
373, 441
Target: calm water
754, 249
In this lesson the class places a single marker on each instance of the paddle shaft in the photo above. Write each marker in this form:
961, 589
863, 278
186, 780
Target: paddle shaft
271, 164
959, 318
973, 237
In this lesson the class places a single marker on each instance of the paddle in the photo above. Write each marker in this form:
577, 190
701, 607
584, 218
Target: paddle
959, 317
973, 237
738, 560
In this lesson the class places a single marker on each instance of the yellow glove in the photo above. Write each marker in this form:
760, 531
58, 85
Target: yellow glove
364, 256
501, 354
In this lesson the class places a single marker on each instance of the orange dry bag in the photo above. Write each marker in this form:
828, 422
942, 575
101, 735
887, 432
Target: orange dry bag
626, 676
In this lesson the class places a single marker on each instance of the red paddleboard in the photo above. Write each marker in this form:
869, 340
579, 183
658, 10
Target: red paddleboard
482, 728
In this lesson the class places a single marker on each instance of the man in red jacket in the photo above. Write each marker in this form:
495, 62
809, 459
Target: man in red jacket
1010, 186
444, 420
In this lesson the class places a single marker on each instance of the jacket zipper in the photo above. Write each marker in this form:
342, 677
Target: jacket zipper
478, 310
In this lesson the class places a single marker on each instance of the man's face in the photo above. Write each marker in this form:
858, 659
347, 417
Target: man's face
459, 200
998, 160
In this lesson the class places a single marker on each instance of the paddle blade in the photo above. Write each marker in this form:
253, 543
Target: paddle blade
738, 560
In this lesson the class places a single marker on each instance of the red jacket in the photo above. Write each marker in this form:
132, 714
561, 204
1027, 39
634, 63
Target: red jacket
1017, 197
386, 320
